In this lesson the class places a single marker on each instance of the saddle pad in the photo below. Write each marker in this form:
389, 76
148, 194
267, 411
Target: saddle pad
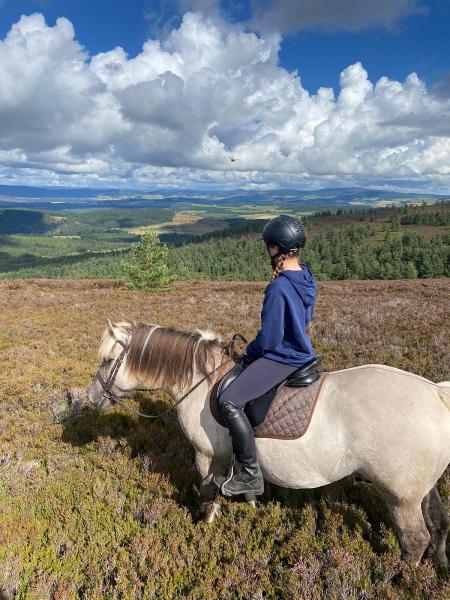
289, 414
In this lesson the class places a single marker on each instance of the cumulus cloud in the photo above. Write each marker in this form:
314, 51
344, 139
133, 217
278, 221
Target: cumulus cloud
287, 16
207, 105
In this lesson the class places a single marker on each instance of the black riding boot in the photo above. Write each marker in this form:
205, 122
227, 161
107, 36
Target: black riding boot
249, 479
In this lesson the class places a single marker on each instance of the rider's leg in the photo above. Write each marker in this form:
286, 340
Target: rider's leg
259, 377
249, 479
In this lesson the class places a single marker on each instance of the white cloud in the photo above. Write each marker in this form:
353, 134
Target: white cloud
209, 104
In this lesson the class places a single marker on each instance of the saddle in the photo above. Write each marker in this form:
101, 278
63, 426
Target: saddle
284, 411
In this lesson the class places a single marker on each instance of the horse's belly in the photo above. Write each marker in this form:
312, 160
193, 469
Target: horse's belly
298, 464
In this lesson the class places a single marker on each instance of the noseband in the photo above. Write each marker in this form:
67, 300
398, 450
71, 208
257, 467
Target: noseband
107, 384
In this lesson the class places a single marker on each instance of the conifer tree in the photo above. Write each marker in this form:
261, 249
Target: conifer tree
410, 271
148, 269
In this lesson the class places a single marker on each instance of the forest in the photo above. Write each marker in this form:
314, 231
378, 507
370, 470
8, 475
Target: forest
341, 254
406, 242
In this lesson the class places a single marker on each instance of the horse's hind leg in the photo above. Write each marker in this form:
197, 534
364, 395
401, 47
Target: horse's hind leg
437, 521
412, 531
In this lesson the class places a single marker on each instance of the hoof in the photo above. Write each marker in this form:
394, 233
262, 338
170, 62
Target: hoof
210, 510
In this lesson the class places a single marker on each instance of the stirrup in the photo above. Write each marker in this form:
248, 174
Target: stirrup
219, 481
255, 486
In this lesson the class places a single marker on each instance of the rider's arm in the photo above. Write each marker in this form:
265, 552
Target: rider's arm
309, 310
272, 323
309, 313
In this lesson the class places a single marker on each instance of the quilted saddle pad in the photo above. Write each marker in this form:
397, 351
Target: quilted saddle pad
289, 414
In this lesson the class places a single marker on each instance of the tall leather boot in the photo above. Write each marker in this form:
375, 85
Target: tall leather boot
249, 479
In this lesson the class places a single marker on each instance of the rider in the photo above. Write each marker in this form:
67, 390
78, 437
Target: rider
281, 345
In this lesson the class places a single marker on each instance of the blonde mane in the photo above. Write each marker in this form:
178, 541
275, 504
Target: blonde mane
162, 356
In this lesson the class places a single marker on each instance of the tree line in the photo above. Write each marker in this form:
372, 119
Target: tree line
360, 250
348, 253
340, 254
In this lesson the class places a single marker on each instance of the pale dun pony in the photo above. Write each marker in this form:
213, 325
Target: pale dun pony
387, 425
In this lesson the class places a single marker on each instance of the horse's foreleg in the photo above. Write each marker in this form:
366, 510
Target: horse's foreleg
411, 529
437, 521
207, 467
251, 499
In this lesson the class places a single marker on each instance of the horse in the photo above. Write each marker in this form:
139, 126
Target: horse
383, 424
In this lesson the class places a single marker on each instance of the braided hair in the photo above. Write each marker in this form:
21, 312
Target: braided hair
279, 261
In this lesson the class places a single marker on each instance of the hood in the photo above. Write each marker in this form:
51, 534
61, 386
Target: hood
303, 282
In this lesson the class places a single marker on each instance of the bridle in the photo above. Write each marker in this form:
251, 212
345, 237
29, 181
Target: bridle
108, 383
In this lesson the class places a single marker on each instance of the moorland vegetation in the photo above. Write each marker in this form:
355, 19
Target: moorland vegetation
107, 506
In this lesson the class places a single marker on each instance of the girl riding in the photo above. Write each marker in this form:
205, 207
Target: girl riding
281, 346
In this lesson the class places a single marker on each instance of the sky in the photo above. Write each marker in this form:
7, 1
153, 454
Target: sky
224, 95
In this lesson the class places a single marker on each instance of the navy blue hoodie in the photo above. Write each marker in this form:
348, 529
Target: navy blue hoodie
287, 309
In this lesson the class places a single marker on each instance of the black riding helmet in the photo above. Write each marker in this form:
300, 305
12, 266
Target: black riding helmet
286, 232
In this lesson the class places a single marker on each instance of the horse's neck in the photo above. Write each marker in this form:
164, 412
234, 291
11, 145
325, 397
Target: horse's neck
191, 414
194, 413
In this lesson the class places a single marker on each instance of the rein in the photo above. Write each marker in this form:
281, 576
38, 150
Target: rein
108, 384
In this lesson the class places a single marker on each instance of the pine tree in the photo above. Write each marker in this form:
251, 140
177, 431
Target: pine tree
148, 269
410, 271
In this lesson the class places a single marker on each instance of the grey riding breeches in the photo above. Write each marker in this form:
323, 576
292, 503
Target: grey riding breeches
255, 380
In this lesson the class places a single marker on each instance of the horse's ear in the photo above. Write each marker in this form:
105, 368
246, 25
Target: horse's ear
111, 328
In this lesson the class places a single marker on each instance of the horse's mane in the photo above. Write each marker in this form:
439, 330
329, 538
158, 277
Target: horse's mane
159, 356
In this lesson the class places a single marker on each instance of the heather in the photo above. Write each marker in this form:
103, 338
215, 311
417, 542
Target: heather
107, 507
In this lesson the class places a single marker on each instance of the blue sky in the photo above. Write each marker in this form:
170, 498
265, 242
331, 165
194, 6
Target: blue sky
353, 46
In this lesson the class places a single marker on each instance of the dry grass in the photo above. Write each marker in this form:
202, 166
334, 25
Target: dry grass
107, 507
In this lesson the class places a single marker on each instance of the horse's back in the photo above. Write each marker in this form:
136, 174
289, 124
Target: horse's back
382, 422
385, 392
376, 379
382, 370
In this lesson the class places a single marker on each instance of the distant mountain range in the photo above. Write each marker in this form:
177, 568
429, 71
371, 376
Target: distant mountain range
23, 191
56, 198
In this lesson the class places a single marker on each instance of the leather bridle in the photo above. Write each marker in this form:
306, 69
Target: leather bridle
108, 383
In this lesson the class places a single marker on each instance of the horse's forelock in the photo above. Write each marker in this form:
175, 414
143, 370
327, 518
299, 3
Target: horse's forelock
109, 348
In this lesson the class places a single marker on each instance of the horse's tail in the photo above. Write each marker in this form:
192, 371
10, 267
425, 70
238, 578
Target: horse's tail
444, 392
